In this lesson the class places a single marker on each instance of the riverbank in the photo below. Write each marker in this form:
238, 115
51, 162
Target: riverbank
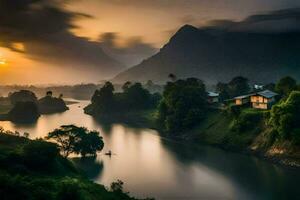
33, 169
139, 119
217, 130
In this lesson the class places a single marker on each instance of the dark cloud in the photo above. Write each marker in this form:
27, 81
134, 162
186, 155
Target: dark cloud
43, 26
133, 51
286, 20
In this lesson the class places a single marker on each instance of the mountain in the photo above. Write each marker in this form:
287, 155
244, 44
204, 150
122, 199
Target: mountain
220, 53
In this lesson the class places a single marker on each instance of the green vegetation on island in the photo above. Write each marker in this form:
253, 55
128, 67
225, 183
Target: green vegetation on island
34, 169
24, 107
50, 104
134, 101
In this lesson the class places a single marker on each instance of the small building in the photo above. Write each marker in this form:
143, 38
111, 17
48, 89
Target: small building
212, 97
242, 100
263, 100
260, 100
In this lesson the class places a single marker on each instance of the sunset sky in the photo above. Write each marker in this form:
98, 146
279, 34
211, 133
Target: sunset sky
58, 41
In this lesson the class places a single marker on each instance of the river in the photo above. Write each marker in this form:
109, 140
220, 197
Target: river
151, 166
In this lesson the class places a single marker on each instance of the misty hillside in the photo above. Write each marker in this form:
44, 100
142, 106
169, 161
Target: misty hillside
218, 54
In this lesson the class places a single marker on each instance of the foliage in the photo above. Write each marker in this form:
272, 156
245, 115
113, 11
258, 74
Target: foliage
78, 140
22, 96
183, 105
26, 111
49, 104
237, 86
247, 120
285, 117
40, 153
133, 98
234, 110
53, 178
286, 85
117, 186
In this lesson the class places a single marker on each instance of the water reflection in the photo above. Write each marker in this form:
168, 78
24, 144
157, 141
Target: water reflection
154, 167
90, 166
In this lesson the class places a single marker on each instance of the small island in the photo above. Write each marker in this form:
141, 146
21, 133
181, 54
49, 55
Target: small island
50, 104
24, 107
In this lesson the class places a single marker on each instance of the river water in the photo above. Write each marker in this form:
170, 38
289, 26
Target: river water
166, 170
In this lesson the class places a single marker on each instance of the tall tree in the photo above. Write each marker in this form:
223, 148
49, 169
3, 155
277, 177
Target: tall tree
183, 104
286, 85
238, 86
78, 140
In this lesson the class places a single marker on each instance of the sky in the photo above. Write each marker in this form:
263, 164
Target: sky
74, 41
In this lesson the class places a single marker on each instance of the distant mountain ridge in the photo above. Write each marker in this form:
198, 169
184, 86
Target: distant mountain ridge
218, 54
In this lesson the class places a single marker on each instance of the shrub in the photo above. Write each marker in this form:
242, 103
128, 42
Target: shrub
246, 121
40, 154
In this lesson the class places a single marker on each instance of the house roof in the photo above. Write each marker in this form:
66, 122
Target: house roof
267, 94
243, 96
212, 94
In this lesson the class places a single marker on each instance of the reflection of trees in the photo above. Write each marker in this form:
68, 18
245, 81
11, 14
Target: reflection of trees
255, 176
90, 166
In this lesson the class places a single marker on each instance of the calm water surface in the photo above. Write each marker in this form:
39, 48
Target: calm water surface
154, 167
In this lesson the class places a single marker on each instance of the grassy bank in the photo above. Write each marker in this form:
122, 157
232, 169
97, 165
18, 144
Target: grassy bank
220, 129
32, 170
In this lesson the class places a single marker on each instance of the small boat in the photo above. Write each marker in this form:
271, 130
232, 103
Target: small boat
109, 153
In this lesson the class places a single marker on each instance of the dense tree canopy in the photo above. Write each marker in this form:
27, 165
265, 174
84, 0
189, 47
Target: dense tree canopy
286, 85
285, 117
50, 104
22, 96
24, 112
183, 105
237, 86
78, 140
134, 97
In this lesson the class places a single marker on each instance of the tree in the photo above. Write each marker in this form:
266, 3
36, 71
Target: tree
24, 112
78, 140
286, 85
22, 96
89, 144
172, 77
133, 98
183, 104
223, 90
126, 86
40, 154
103, 99
238, 86
285, 117
49, 93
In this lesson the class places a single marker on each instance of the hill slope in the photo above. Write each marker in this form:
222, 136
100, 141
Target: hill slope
215, 54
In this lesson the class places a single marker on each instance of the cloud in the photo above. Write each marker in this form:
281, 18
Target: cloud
43, 27
286, 20
132, 51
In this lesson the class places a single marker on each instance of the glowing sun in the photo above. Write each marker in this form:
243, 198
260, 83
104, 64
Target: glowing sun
3, 62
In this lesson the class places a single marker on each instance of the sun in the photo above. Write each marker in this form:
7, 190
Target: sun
3, 62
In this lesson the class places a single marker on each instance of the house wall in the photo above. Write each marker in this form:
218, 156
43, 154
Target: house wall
260, 99
241, 101
238, 102
260, 105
